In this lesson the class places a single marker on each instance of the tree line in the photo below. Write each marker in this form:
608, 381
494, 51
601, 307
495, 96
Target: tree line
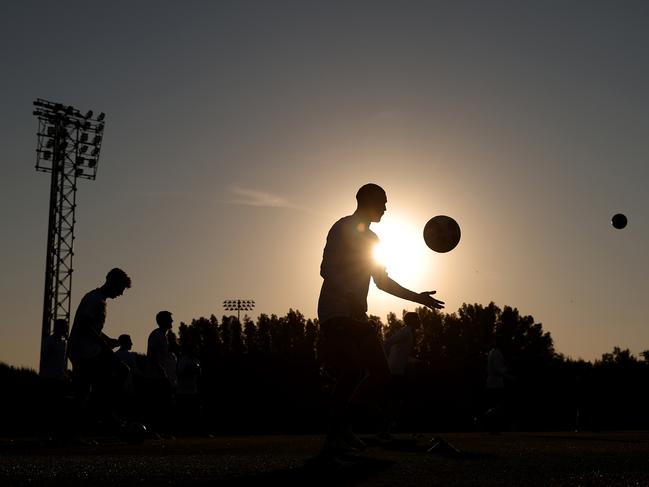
263, 376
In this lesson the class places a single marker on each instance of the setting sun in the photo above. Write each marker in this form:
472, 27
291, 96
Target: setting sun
401, 250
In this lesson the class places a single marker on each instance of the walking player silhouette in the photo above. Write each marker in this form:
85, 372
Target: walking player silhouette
349, 346
97, 373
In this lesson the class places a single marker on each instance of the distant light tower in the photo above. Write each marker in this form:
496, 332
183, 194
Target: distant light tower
238, 305
68, 147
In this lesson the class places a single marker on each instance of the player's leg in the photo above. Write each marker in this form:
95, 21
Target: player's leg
372, 391
108, 376
338, 352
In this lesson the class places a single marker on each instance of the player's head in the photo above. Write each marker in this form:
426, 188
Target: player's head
371, 199
164, 320
116, 282
125, 341
411, 319
60, 328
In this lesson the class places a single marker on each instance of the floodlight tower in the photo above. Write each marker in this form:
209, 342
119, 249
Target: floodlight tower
238, 305
68, 147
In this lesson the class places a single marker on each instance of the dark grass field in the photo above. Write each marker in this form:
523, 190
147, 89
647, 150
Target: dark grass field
538, 459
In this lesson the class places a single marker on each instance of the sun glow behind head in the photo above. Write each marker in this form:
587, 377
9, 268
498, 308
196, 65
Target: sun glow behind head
401, 250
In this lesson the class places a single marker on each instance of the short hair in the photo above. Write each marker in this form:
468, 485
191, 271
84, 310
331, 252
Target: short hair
119, 277
370, 193
411, 318
161, 316
124, 339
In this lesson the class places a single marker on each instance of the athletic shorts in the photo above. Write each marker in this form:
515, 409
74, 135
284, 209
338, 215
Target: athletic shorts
348, 345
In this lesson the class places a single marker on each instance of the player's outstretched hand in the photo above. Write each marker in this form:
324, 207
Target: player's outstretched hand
429, 301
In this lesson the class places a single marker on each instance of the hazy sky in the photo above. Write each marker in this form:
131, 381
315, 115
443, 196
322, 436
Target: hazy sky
238, 132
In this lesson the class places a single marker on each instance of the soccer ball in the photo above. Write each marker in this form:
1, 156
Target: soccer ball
619, 221
442, 233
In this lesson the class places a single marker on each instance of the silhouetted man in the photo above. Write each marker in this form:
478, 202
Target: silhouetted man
160, 384
54, 374
55, 360
349, 346
125, 355
96, 369
495, 384
399, 348
127, 394
189, 370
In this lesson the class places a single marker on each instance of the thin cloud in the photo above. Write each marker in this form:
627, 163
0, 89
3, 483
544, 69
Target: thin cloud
262, 199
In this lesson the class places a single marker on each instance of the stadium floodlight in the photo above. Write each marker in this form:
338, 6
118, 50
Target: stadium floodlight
101, 116
61, 128
96, 139
238, 305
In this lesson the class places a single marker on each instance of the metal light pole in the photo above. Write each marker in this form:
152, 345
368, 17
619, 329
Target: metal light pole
238, 305
68, 147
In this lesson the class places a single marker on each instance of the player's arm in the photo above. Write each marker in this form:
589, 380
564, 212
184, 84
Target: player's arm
110, 342
390, 286
87, 321
103, 340
396, 337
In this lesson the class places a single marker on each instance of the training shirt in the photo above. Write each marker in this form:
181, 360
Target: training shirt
90, 315
347, 265
496, 369
398, 348
157, 354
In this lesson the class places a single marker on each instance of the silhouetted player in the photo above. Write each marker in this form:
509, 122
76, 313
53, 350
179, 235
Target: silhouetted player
348, 346
496, 375
54, 353
399, 348
95, 367
160, 383
54, 376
